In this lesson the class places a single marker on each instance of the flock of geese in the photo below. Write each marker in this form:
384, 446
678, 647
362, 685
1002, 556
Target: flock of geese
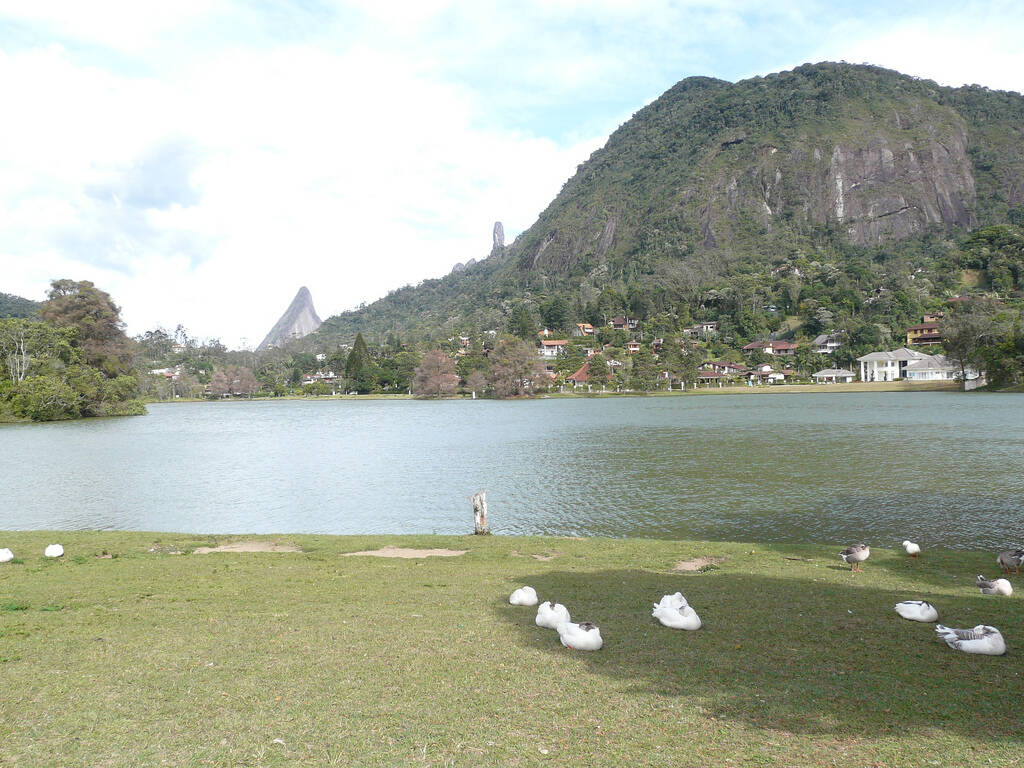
53, 550
674, 612
983, 638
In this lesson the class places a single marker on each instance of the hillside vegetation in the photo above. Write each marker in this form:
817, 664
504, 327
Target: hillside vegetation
834, 196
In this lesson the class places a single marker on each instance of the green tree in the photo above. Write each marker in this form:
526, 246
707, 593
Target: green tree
101, 337
555, 313
522, 323
970, 332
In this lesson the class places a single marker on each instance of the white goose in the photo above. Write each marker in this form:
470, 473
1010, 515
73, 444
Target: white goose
994, 586
676, 618
981, 639
673, 601
917, 610
911, 548
54, 550
523, 596
584, 636
6, 555
550, 614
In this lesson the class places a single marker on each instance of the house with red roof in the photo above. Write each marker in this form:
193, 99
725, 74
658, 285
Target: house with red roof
772, 347
549, 348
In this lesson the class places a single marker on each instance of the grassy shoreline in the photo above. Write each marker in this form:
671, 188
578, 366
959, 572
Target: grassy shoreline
153, 658
888, 386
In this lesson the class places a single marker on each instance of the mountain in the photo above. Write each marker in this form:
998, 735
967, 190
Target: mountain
15, 306
715, 183
300, 319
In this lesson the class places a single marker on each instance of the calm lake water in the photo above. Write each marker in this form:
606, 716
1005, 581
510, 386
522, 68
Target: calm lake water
939, 468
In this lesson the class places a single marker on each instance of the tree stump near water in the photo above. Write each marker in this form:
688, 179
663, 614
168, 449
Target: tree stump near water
480, 513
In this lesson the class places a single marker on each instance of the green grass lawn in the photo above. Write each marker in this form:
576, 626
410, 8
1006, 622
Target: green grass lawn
154, 658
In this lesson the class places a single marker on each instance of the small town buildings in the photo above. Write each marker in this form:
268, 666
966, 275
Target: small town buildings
827, 343
624, 323
766, 374
633, 347
723, 367
888, 366
545, 333
834, 376
924, 334
709, 378
583, 329
549, 348
703, 330
772, 347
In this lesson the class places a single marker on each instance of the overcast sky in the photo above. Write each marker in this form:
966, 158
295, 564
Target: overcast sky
201, 161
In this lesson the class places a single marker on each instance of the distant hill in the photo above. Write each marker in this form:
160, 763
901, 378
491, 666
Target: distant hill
716, 184
15, 306
300, 319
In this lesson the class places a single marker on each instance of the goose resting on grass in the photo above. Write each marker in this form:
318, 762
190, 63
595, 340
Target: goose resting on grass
523, 596
856, 555
917, 610
54, 550
1011, 559
676, 601
6, 555
994, 587
550, 614
981, 639
911, 548
676, 618
584, 636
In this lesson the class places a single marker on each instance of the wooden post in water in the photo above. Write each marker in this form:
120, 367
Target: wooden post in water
480, 512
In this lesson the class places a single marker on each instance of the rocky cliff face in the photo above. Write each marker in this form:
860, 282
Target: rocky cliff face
300, 319
711, 166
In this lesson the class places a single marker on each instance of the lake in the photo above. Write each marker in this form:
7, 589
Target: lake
940, 468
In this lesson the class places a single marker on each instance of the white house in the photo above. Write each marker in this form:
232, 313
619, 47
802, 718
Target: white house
834, 375
549, 348
826, 344
936, 368
888, 366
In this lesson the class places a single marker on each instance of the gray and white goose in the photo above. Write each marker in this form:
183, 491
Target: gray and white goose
1012, 559
981, 639
856, 555
994, 586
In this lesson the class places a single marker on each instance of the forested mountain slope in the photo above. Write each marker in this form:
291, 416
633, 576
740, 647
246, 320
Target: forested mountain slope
847, 188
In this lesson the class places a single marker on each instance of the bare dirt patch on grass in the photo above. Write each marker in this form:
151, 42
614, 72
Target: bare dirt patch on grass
537, 556
697, 563
405, 552
247, 546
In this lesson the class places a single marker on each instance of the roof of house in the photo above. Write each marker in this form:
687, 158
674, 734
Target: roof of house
825, 338
708, 374
828, 373
932, 363
554, 342
770, 343
901, 354
582, 375
924, 327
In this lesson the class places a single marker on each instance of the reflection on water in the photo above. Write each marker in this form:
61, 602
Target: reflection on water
940, 468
